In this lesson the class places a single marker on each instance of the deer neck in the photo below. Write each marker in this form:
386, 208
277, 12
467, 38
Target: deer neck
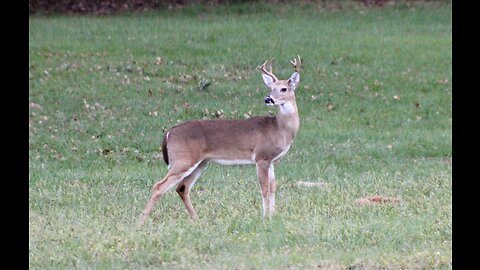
287, 119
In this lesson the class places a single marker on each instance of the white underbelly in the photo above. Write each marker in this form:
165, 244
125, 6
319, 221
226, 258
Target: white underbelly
233, 161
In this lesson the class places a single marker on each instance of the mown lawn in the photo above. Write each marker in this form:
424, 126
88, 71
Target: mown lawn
375, 104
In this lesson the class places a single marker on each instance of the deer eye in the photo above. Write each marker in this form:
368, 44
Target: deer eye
283, 89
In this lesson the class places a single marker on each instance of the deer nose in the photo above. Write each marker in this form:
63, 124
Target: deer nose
269, 100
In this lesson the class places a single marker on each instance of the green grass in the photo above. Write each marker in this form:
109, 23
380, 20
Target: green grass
94, 145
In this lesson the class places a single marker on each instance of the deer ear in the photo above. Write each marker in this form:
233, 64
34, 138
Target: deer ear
294, 80
267, 79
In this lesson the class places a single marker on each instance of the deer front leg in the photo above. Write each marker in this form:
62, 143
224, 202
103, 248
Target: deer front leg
263, 179
273, 187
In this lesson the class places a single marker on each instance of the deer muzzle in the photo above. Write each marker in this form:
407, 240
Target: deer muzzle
269, 101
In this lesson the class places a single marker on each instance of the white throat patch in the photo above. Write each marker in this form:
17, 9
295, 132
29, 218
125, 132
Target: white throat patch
287, 108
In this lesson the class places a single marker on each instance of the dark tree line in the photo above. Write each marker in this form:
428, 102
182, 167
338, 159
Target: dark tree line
100, 7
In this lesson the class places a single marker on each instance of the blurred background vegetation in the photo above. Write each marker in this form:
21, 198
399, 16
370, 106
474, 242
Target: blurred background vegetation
107, 7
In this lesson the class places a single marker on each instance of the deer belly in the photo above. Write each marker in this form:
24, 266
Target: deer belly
239, 159
233, 161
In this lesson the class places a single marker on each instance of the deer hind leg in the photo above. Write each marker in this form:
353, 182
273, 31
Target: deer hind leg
173, 177
263, 180
183, 189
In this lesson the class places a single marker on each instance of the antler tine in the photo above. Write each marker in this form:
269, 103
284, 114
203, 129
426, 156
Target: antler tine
269, 73
263, 66
296, 64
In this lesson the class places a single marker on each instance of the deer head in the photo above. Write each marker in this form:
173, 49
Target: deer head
281, 91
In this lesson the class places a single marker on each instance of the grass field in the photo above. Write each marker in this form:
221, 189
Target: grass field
375, 104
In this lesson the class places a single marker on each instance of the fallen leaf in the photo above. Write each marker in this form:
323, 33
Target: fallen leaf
35, 106
445, 81
312, 184
376, 200
218, 114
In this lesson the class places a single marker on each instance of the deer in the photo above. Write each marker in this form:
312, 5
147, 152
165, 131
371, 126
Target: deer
188, 147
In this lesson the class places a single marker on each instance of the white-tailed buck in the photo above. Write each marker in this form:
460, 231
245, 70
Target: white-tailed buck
188, 147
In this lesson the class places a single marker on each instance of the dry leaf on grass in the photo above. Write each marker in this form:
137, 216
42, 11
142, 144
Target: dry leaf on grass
35, 106
376, 200
312, 184
445, 81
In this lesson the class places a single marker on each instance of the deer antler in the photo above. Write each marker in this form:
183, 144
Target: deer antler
269, 73
296, 64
